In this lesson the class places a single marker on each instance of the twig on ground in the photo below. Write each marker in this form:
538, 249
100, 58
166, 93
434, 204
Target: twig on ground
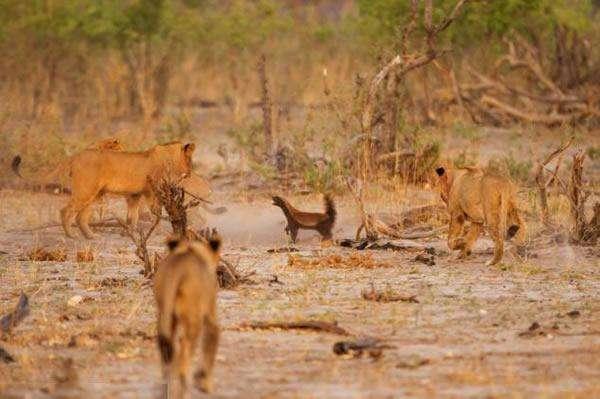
311, 325
387, 296
373, 346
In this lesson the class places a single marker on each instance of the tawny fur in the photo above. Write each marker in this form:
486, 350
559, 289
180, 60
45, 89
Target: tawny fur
297, 219
94, 173
54, 181
185, 288
484, 199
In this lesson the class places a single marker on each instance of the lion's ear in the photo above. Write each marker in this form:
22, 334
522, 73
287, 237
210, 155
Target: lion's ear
440, 171
189, 148
172, 243
214, 243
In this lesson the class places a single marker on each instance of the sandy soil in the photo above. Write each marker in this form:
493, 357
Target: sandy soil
462, 339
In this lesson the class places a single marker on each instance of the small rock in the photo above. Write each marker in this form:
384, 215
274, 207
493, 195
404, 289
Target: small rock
75, 300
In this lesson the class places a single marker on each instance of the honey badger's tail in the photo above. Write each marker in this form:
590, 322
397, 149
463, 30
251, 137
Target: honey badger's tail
330, 208
165, 320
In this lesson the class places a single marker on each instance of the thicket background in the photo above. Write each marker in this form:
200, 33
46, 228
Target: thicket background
74, 70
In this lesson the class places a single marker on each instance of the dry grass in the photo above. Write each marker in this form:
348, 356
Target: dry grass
40, 254
85, 255
337, 261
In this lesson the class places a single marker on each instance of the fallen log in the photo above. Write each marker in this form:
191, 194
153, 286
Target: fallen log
394, 245
310, 325
551, 119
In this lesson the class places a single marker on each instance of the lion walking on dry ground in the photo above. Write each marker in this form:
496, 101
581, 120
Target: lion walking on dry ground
95, 172
484, 199
185, 288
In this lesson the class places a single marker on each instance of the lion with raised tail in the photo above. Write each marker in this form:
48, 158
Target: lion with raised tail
94, 173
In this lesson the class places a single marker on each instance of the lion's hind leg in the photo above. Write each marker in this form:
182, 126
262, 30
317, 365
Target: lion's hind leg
496, 226
67, 216
469, 238
83, 220
78, 207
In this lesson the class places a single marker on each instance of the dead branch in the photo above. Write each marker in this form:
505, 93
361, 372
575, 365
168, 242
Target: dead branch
551, 119
171, 196
583, 232
503, 102
10, 320
410, 26
372, 346
266, 105
140, 238
405, 62
543, 184
227, 275
311, 325
381, 244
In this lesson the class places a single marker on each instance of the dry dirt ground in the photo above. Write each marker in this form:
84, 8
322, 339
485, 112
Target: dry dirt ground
468, 335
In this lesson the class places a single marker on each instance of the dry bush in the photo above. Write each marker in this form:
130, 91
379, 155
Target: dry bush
335, 261
41, 254
85, 255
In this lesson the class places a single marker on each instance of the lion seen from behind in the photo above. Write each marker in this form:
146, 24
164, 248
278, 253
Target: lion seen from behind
486, 200
185, 289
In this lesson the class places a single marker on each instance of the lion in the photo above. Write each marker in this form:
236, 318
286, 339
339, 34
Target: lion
485, 199
185, 288
94, 173
50, 181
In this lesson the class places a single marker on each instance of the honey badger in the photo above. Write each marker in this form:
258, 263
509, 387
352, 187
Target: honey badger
185, 288
297, 219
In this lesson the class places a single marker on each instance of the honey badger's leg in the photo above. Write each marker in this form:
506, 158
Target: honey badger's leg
470, 237
292, 230
210, 343
325, 232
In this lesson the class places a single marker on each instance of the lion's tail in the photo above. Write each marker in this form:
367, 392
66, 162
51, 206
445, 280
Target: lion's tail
504, 208
49, 181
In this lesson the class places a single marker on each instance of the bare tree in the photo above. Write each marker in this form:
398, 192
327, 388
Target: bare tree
266, 105
543, 183
406, 61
